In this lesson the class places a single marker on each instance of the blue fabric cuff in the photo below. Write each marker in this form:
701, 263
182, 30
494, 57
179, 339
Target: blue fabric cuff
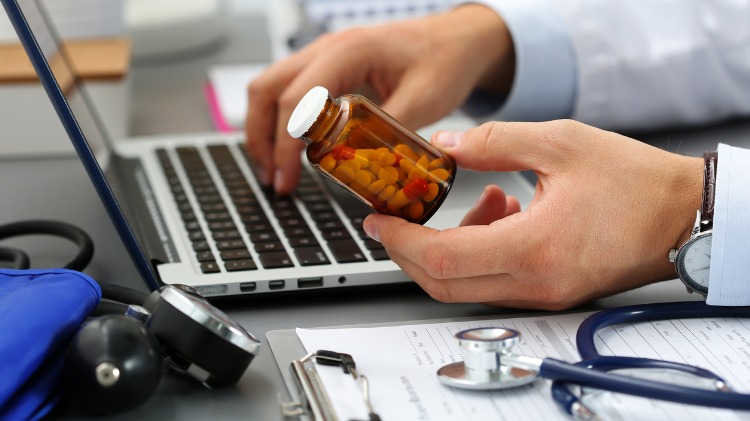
544, 85
40, 310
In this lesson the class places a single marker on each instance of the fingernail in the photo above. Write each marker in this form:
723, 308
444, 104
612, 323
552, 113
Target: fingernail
482, 196
447, 139
278, 180
372, 231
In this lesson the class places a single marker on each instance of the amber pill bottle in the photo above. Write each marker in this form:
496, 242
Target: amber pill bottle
357, 145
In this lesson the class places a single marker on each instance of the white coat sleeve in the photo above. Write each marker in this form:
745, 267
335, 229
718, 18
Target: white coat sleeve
729, 277
637, 65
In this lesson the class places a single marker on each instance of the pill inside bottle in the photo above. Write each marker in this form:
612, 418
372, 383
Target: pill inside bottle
360, 147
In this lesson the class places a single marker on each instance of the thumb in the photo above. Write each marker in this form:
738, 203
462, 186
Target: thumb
502, 146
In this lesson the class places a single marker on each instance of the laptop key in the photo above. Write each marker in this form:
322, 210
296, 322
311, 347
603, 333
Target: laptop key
303, 242
260, 227
346, 251
205, 256
372, 244
230, 245
330, 225
298, 232
310, 256
218, 216
275, 260
209, 267
221, 225
201, 246
238, 265
379, 254
268, 246
339, 234
259, 237
225, 235
235, 254
196, 236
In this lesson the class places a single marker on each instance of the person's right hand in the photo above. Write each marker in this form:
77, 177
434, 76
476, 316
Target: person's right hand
421, 69
606, 212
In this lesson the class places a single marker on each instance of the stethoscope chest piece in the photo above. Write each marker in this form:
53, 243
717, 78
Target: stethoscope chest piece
482, 367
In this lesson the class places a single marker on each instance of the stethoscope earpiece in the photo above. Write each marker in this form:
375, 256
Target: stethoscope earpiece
113, 364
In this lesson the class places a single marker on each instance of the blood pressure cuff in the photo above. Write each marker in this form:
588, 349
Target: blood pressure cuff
40, 311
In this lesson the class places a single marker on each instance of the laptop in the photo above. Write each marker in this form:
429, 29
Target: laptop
190, 210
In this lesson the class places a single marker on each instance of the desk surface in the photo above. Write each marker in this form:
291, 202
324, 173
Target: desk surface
168, 98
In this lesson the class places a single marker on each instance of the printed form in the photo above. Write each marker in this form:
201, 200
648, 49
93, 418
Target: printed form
400, 363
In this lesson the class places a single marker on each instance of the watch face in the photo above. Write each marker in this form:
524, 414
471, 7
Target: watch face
694, 262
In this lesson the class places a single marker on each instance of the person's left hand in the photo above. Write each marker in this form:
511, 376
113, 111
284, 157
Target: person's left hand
606, 212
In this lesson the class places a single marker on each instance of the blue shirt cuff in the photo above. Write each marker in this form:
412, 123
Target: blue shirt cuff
544, 85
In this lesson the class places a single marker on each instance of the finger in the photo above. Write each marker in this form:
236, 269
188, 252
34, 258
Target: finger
458, 252
338, 75
260, 121
498, 290
513, 206
512, 146
490, 207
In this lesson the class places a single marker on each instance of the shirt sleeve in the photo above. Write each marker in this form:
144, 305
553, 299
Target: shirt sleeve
544, 84
620, 65
729, 277
667, 63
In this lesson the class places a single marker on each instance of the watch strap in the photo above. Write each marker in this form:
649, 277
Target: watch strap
711, 161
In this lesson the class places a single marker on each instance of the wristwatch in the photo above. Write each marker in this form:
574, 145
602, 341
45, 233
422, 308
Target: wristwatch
692, 259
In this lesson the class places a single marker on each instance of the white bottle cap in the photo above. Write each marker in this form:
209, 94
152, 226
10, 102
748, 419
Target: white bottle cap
307, 111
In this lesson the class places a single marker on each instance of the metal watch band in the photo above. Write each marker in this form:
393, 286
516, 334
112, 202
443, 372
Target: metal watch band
711, 161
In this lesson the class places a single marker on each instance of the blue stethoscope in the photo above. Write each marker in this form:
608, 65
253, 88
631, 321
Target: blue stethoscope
490, 364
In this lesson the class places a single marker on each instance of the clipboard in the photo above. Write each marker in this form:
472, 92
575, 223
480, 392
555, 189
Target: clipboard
313, 403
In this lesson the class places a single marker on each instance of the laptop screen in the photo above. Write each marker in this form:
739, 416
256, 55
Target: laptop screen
55, 58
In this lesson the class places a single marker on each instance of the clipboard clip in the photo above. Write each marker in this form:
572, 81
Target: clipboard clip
313, 401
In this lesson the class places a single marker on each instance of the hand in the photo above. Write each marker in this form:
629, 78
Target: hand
422, 69
606, 211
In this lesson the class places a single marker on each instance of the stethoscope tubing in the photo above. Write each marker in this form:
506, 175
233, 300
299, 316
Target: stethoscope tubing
592, 370
644, 313
557, 370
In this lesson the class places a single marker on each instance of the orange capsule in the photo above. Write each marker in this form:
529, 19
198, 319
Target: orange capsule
416, 188
436, 163
439, 175
423, 162
344, 174
415, 210
398, 200
406, 152
374, 167
328, 163
406, 164
386, 159
351, 163
343, 152
376, 186
363, 178
386, 193
417, 173
388, 174
432, 192
369, 154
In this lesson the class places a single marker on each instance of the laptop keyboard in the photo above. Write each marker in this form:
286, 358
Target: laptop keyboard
233, 252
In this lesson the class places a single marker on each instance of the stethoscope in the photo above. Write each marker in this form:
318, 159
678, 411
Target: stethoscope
490, 364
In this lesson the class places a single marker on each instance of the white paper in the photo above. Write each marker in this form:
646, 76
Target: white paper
401, 361
229, 83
